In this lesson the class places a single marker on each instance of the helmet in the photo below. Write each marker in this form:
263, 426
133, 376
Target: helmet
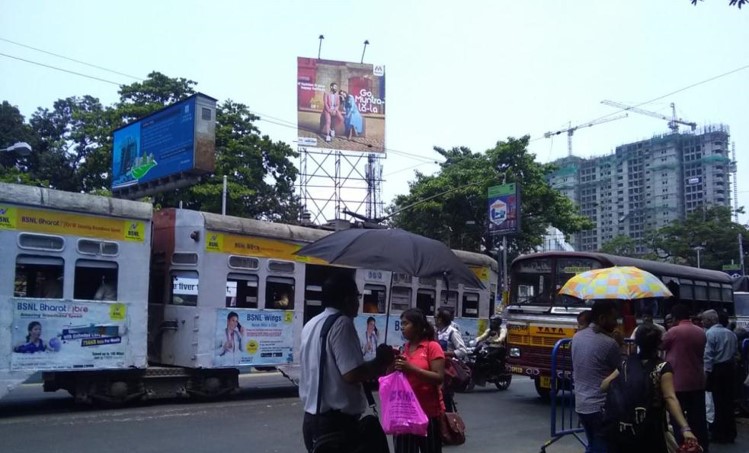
495, 322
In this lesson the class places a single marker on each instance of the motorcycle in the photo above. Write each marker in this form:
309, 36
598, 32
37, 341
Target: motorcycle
487, 366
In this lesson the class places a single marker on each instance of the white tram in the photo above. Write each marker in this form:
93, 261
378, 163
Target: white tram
219, 295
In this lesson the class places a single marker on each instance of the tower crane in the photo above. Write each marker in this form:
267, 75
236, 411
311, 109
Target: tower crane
571, 130
673, 122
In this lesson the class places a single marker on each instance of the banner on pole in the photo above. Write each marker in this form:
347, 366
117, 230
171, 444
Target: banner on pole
504, 209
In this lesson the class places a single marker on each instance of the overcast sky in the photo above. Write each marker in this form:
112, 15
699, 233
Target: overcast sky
458, 73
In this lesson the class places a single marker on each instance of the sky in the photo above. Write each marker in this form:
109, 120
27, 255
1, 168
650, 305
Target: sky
466, 73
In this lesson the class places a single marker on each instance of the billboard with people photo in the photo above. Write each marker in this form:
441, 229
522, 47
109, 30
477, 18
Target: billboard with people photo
341, 105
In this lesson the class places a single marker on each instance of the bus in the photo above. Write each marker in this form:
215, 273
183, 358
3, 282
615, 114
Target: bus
537, 316
114, 301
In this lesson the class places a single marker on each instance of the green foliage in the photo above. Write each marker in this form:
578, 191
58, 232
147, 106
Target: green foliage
738, 3
72, 151
621, 245
456, 208
711, 228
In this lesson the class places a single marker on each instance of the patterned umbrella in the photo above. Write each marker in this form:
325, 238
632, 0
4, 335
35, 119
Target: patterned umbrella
623, 283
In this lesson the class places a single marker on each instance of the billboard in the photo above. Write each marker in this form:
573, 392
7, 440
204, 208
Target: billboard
340, 105
173, 142
253, 337
504, 209
56, 335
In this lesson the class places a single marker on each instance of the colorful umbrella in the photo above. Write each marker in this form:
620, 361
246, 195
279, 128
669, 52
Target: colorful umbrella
623, 283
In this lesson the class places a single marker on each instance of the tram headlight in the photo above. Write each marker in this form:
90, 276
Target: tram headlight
515, 352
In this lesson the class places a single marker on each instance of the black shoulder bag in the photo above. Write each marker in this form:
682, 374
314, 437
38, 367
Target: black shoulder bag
372, 438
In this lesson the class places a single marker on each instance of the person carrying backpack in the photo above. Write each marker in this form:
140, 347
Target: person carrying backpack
638, 394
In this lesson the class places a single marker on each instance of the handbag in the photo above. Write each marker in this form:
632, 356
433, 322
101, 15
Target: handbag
452, 429
401, 411
690, 446
457, 375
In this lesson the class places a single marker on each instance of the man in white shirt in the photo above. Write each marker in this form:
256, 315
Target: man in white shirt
343, 401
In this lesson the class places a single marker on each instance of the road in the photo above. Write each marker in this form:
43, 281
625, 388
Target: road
265, 416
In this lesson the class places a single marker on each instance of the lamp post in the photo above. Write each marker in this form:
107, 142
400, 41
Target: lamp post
698, 249
20, 148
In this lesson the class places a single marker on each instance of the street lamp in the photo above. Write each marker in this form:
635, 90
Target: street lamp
698, 249
20, 148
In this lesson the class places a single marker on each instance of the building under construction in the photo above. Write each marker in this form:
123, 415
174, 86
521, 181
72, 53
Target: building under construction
645, 185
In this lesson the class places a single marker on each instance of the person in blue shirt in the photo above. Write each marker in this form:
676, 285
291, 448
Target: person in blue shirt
34, 342
352, 119
720, 353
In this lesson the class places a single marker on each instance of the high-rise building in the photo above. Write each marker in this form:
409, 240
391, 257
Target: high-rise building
645, 185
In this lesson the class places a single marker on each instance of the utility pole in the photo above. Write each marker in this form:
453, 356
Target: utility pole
741, 253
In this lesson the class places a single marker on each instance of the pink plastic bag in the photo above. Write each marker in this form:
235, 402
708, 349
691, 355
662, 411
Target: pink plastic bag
401, 411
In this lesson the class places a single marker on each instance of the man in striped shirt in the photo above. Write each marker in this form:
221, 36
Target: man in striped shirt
595, 355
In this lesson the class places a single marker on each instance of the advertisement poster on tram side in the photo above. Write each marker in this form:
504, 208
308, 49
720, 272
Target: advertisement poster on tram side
59, 335
251, 337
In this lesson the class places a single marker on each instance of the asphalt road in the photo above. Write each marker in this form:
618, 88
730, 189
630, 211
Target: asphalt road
265, 416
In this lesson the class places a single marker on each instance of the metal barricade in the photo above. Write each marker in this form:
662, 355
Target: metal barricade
564, 420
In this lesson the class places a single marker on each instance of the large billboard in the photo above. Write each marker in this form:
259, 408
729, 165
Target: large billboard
504, 209
341, 105
173, 142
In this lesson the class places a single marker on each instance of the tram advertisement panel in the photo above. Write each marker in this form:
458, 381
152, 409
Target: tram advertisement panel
370, 329
254, 337
55, 335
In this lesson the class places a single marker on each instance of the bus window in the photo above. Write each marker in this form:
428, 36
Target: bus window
400, 298
279, 293
39, 276
470, 305
531, 282
700, 291
727, 292
184, 288
425, 300
685, 290
95, 280
714, 292
242, 290
449, 299
374, 299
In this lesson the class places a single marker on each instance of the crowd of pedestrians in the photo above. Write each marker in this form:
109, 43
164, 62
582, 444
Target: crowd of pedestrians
685, 363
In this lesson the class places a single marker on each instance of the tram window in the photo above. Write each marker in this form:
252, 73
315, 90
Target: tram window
402, 278
400, 298
425, 300
243, 262
449, 299
281, 266
242, 290
428, 281
279, 293
374, 299
184, 258
39, 276
95, 280
184, 288
470, 305
41, 242
92, 247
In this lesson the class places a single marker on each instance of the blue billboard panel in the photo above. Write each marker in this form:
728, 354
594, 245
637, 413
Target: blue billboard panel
504, 209
157, 146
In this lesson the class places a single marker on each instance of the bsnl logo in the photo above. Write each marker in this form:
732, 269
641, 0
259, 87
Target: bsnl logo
134, 231
213, 241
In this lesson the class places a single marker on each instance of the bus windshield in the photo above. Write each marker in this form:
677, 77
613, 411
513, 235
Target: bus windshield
531, 282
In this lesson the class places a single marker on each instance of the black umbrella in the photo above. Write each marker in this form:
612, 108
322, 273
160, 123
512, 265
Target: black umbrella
392, 250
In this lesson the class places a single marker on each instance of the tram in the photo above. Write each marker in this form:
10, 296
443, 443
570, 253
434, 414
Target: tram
115, 301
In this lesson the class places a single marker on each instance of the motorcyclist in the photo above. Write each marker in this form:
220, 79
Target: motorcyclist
494, 337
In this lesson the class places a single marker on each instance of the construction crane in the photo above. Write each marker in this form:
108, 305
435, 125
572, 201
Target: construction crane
673, 122
571, 130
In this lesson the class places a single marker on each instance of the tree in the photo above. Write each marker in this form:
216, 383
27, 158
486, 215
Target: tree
621, 245
710, 228
13, 129
738, 3
451, 205
72, 144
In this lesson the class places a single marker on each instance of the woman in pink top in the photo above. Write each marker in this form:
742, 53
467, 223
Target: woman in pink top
423, 363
